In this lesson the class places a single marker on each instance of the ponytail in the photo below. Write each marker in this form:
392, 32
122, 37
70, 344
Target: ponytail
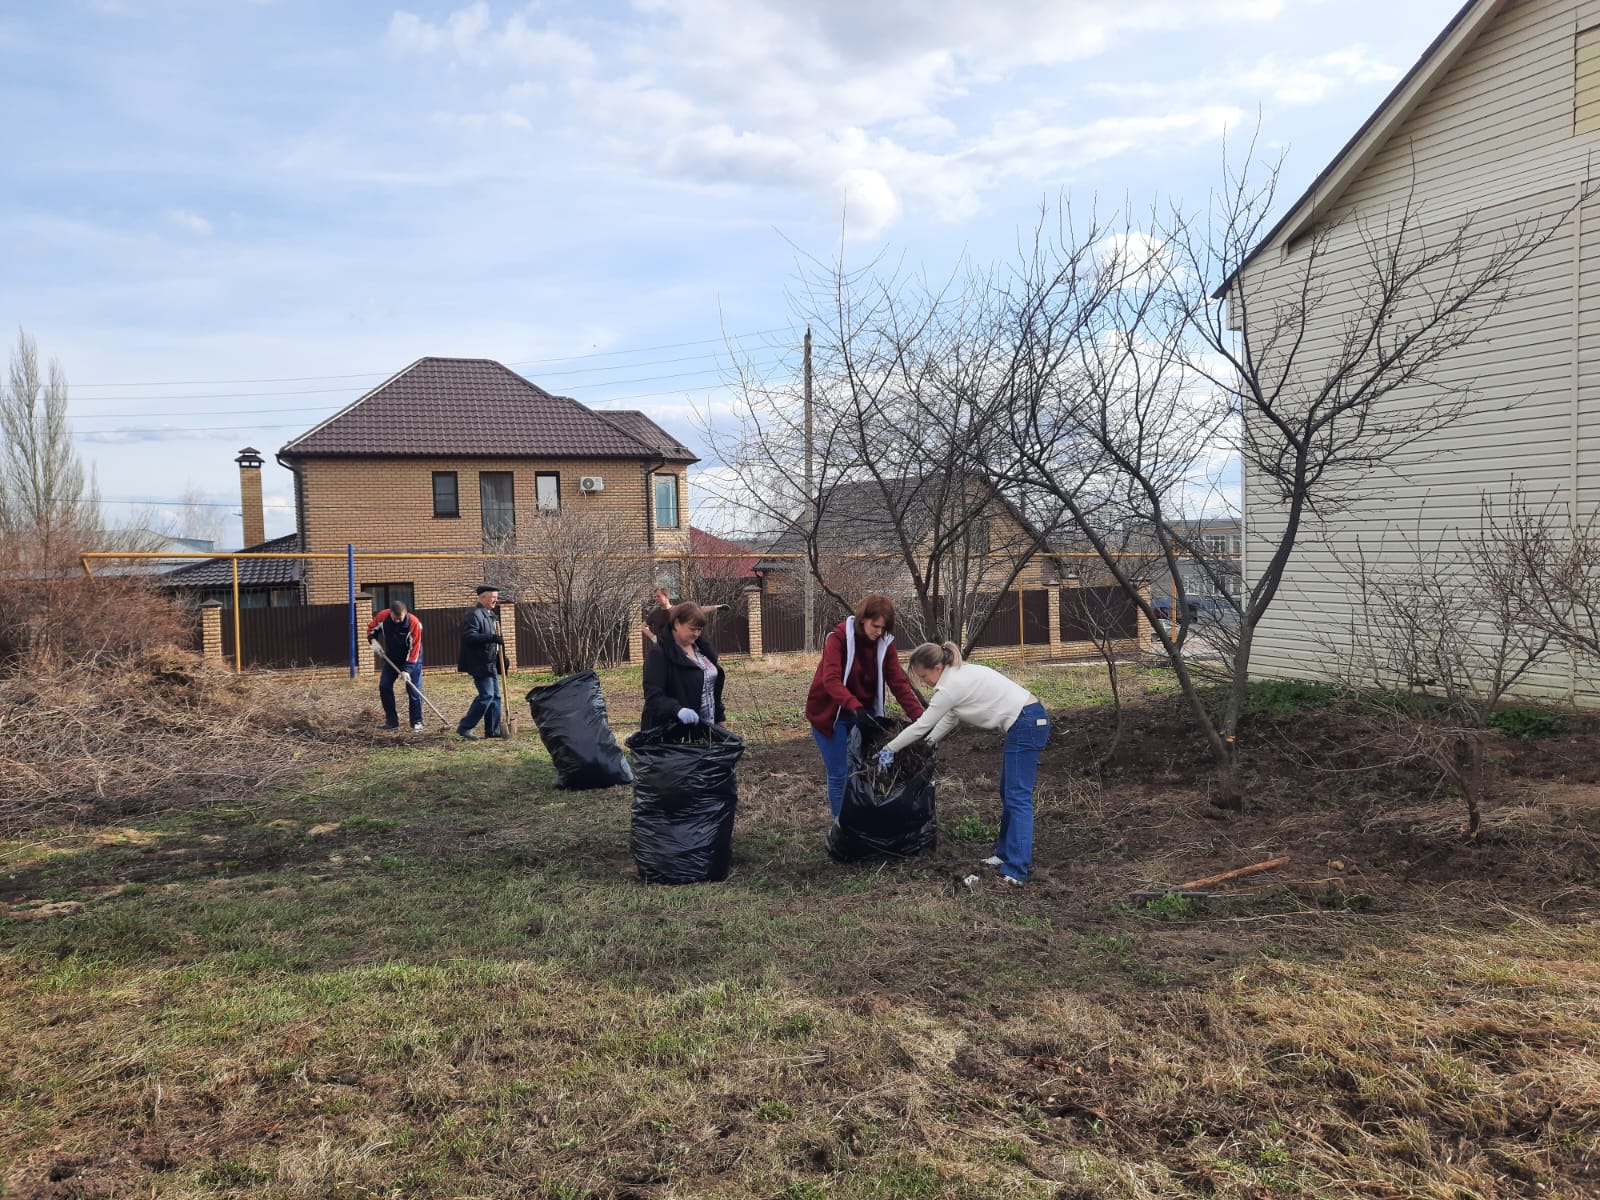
928, 656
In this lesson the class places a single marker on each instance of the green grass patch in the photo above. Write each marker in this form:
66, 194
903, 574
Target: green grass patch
1285, 697
1528, 723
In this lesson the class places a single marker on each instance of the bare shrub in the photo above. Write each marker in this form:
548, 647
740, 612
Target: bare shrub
1441, 632
52, 623
154, 729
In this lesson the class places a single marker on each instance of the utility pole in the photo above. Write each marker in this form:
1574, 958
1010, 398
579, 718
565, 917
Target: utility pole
810, 592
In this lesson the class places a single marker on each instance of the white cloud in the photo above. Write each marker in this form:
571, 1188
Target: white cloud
1268, 80
850, 104
468, 35
869, 204
190, 222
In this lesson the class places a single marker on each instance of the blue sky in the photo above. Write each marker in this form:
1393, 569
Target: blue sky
228, 218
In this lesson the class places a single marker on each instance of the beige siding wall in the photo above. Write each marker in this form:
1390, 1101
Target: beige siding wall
387, 505
1494, 141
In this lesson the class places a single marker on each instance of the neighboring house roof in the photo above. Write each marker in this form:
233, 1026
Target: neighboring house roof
253, 572
701, 542
860, 516
476, 408
1327, 187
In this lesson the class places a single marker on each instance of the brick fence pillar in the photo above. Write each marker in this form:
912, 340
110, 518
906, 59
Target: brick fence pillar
363, 619
508, 630
211, 631
752, 597
1053, 615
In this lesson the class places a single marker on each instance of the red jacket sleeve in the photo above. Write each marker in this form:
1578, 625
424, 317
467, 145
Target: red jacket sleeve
414, 626
377, 620
900, 685
831, 674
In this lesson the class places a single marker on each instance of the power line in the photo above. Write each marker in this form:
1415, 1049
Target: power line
97, 433
526, 362
324, 407
183, 503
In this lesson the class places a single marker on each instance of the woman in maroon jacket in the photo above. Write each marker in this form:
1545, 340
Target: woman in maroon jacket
858, 663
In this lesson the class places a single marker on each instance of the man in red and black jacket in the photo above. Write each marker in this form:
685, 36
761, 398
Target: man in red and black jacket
858, 664
397, 632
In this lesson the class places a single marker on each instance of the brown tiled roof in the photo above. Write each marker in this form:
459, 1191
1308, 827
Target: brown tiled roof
469, 408
643, 429
253, 572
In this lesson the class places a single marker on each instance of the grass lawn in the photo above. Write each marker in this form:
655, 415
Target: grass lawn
427, 972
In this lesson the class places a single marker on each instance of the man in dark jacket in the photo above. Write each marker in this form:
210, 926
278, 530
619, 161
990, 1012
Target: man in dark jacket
397, 632
480, 657
682, 679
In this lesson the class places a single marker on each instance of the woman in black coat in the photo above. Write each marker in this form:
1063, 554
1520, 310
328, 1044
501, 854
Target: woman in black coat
682, 681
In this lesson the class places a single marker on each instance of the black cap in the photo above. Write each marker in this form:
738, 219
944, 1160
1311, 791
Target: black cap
487, 587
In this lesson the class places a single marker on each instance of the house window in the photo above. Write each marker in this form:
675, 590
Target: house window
446, 496
385, 594
1586, 83
496, 493
669, 576
547, 491
1217, 543
666, 501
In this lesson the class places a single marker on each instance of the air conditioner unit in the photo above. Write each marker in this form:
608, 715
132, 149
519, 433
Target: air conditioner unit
591, 483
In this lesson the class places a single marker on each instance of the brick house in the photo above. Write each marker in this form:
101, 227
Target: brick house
456, 454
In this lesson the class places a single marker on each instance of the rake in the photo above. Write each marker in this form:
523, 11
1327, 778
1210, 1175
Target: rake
403, 675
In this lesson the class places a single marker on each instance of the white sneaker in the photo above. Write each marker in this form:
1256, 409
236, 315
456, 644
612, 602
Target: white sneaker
1011, 879
416, 727
994, 860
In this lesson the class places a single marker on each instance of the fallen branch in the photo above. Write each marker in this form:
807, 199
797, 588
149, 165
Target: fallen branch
1234, 874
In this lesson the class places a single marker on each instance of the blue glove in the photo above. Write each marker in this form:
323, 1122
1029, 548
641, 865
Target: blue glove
885, 758
688, 716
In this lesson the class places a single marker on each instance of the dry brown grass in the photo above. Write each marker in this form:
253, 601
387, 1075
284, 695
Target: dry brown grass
113, 735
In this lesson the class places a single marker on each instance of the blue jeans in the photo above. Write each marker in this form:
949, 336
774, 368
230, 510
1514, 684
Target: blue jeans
835, 759
485, 707
387, 678
1019, 765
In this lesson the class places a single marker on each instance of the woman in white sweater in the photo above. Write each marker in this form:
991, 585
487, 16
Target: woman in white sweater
977, 695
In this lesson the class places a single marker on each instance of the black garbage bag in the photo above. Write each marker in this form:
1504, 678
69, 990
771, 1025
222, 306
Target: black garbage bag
571, 716
684, 798
885, 814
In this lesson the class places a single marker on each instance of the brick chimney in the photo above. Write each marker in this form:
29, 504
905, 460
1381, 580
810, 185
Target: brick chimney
251, 507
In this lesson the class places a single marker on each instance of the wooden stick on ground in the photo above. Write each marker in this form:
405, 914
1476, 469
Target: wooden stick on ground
1234, 874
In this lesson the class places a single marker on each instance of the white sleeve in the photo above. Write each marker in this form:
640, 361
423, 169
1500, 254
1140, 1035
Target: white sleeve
934, 718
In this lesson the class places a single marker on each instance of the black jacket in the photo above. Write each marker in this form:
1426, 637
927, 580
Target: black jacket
480, 643
672, 680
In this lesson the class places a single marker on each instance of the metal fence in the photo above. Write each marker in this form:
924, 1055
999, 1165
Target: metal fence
730, 633
1019, 618
441, 634
311, 635
1092, 613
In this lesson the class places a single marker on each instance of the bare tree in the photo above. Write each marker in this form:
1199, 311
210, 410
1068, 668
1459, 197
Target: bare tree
196, 517
49, 505
578, 581
1133, 374
903, 369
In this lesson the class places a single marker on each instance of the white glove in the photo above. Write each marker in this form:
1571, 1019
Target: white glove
377, 646
885, 759
688, 716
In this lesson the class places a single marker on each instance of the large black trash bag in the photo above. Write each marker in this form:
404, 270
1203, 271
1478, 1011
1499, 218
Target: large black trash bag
684, 798
571, 716
885, 814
